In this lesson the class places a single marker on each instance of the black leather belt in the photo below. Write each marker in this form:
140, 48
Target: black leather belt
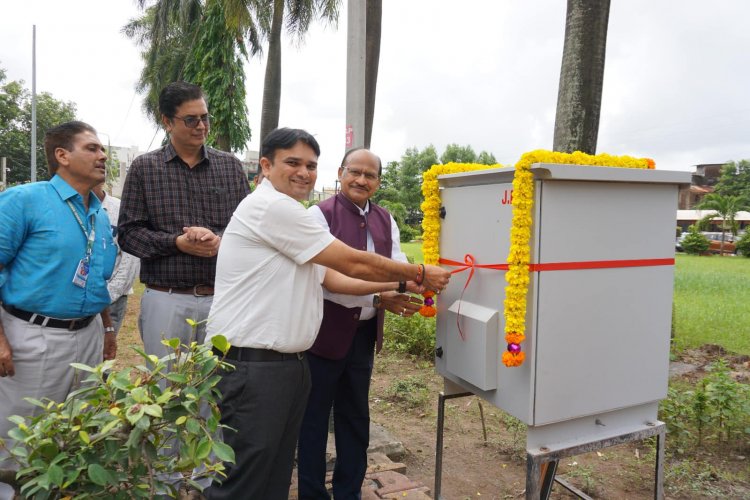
38, 319
197, 290
253, 354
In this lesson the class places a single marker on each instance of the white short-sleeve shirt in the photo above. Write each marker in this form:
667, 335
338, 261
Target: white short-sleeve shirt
267, 293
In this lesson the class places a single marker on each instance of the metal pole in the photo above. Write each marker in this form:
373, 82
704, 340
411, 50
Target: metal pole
439, 440
33, 105
355, 73
3, 178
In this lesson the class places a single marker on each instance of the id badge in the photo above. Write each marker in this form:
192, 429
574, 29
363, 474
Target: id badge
82, 274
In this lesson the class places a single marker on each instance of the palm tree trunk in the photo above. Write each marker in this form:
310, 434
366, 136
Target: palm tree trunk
374, 18
579, 97
269, 116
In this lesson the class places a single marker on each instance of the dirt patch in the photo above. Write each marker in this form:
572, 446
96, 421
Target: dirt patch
129, 336
404, 400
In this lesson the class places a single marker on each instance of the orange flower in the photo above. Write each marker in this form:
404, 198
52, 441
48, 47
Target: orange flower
511, 359
428, 311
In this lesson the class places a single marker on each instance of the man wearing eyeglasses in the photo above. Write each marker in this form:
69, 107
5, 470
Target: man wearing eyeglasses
341, 358
176, 202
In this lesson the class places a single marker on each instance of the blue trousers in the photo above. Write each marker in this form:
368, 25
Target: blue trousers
344, 385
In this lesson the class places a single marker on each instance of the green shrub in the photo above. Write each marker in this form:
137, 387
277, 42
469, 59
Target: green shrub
715, 412
410, 391
414, 335
743, 245
408, 233
106, 440
695, 243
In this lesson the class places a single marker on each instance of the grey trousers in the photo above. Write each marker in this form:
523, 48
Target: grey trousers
117, 311
163, 316
42, 358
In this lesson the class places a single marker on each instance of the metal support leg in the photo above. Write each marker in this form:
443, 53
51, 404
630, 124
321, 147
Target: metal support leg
539, 484
533, 476
659, 472
439, 441
549, 470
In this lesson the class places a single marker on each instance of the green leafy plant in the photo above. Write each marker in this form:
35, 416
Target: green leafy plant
408, 233
516, 429
676, 411
743, 245
410, 391
414, 335
716, 412
694, 242
729, 402
107, 439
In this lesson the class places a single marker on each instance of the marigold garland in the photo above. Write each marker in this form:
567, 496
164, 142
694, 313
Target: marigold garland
428, 309
519, 254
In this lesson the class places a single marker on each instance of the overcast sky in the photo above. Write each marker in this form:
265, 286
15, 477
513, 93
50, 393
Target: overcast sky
478, 72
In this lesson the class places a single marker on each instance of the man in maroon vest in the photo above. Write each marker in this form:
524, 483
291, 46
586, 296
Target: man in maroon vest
341, 359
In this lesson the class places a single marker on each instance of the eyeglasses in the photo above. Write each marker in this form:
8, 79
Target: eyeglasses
192, 121
357, 173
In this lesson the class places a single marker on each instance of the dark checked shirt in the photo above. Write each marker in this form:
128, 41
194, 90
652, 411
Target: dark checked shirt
161, 196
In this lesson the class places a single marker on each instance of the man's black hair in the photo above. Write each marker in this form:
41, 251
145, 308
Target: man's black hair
286, 138
173, 95
62, 136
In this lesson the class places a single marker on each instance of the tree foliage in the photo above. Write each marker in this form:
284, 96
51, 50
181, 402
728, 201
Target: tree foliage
112, 169
266, 19
735, 180
15, 127
216, 64
195, 41
107, 439
725, 207
166, 32
465, 154
401, 182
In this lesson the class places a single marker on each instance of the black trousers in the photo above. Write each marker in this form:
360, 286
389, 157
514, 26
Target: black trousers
343, 385
264, 401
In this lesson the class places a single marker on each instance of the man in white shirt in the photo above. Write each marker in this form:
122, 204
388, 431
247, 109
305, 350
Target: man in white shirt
342, 357
269, 304
120, 284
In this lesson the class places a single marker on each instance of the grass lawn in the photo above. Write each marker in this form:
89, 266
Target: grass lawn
712, 302
413, 250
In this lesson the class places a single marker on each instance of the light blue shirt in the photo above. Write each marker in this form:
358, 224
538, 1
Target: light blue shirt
41, 245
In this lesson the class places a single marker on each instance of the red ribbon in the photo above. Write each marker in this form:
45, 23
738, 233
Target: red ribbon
470, 263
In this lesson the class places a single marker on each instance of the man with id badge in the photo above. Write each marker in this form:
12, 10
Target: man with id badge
56, 254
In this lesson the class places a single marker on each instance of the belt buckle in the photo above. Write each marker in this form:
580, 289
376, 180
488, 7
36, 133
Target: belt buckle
300, 355
195, 292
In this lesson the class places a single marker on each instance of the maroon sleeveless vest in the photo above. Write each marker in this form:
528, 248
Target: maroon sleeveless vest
345, 222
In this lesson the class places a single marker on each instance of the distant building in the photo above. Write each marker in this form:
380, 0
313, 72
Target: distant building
686, 218
125, 156
702, 183
251, 164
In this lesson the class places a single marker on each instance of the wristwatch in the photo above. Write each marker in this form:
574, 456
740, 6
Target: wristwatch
376, 302
109, 329
401, 287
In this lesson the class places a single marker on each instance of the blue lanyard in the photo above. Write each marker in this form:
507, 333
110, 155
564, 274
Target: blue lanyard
90, 236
